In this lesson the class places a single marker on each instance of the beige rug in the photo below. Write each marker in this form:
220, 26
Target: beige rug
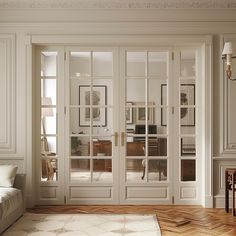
85, 225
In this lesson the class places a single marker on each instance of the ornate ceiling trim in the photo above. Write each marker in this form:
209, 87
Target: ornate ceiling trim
117, 4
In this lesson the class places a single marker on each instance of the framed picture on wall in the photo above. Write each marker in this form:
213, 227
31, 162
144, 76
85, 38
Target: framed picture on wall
129, 113
141, 112
187, 100
99, 101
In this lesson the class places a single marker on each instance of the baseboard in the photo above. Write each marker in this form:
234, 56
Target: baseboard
29, 202
208, 203
219, 201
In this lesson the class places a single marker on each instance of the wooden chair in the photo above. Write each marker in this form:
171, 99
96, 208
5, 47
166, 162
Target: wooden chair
230, 185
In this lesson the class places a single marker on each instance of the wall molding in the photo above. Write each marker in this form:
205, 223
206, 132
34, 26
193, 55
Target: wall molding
117, 4
228, 146
8, 95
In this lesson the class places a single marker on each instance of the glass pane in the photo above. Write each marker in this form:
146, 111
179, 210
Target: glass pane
187, 94
158, 64
188, 146
136, 63
188, 129
102, 170
48, 63
135, 90
159, 116
188, 170
164, 96
49, 89
157, 93
80, 146
75, 90
49, 121
157, 146
102, 92
134, 170
49, 170
102, 147
187, 64
136, 147
49, 145
99, 98
80, 170
79, 121
102, 64
157, 170
140, 113
103, 124
187, 116
80, 64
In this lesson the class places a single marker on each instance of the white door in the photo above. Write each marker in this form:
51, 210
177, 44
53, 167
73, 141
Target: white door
92, 125
125, 127
49, 128
146, 161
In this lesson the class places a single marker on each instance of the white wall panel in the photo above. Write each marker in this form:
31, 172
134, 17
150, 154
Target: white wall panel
7, 94
142, 192
90, 192
188, 193
48, 192
19, 162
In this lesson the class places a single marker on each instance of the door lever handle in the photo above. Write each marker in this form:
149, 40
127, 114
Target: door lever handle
122, 138
116, 139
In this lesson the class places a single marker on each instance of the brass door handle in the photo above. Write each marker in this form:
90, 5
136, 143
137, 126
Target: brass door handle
122, 138
116, 139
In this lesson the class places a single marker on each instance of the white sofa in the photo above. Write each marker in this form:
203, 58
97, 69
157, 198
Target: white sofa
12, 202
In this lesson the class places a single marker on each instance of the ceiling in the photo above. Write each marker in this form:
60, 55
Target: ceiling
117, 4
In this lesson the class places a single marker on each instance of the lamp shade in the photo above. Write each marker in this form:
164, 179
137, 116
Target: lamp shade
46, 111
228, 48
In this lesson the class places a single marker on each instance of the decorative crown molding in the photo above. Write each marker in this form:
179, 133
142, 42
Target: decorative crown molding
117, 4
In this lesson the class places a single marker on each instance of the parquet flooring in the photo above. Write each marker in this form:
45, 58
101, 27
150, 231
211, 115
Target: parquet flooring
173, 220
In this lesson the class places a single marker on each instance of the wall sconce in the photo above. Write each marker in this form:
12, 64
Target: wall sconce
227, 55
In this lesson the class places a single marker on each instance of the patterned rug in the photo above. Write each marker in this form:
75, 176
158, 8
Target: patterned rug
85, 225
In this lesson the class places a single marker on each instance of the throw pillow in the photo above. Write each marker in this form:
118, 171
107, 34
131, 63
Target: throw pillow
7, 175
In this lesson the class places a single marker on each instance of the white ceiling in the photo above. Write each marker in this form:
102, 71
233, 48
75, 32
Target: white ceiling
117, 4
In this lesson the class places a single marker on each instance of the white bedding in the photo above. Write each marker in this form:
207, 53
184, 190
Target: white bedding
10, 200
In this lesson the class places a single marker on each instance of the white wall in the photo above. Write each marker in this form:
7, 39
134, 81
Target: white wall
20, 26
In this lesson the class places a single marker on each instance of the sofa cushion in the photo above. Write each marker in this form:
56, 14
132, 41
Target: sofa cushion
10, 200
8, 174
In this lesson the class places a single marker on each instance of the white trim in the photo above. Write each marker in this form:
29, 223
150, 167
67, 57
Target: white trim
225, 147
8, 146
116, 4
119, 40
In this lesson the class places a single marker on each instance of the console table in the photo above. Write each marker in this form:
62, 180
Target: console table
230, 185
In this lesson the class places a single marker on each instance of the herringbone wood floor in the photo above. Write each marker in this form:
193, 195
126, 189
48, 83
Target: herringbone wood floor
173, 220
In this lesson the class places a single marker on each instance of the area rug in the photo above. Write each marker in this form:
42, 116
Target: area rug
85, 225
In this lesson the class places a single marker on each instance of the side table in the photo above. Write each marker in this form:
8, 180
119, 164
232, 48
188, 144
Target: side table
230, 185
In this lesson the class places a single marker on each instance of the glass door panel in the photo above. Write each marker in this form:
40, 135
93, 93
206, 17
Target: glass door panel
49, 151
187, 111
187, 160
146, 107
91, 116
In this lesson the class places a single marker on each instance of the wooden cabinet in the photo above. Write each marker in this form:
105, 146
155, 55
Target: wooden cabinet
102, 148
157, 147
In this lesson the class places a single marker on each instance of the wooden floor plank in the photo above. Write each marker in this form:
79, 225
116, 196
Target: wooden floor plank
173, 220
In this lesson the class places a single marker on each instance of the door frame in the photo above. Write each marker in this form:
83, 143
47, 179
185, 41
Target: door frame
204, 41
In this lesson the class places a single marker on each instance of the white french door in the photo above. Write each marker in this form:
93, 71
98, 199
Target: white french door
125, 125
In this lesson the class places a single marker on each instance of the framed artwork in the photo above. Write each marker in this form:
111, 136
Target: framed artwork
187, 99
129, 113
141, 112
99, 101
